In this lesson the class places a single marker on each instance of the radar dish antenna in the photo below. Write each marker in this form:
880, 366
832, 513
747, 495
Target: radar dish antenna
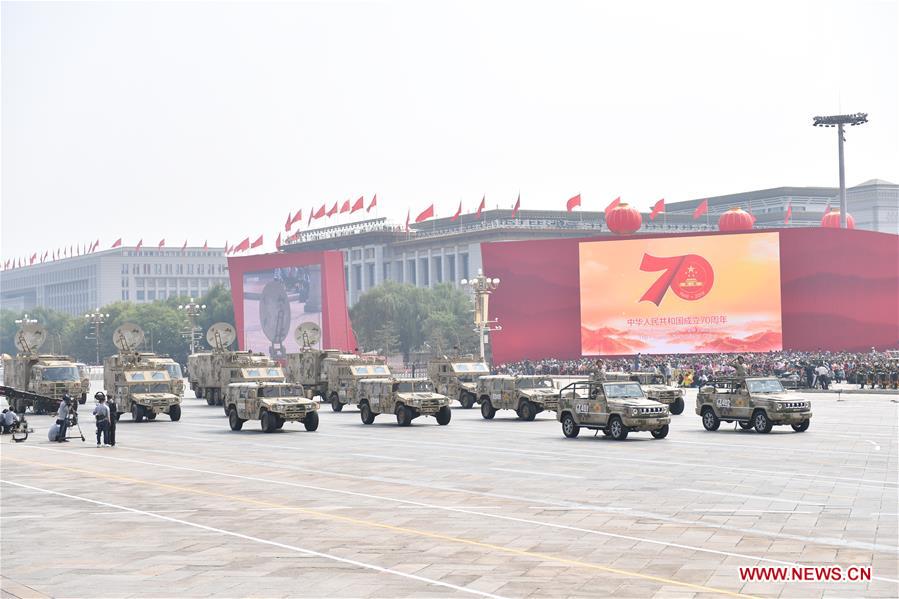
307, 334
220, 336
30, 337
128, 337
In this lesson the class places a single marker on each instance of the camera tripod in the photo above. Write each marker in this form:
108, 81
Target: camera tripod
73, 422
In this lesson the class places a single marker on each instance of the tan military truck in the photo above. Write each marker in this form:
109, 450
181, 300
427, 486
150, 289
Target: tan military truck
752, 402
333, 375
615, 408
271, 403
654, 387
85, 374
528, 395
172, 367
457, 378
210, 373
407, 398
45, 375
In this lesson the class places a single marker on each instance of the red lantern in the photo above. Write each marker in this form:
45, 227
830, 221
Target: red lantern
624, 219
735, 219
832, 220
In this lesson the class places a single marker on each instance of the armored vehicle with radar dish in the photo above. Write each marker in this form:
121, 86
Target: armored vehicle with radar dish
406, 398
210, 373
172, 367
528, 395
329, 373
616, 408
47, 376
457, 377
655, 388
752, 402
136, 383
271, 403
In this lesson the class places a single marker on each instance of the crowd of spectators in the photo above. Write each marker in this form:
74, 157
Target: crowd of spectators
803, 369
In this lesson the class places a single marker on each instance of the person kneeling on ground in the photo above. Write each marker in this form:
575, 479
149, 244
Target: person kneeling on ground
8, 421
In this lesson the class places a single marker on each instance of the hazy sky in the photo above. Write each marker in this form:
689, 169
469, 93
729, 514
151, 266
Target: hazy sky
212, 121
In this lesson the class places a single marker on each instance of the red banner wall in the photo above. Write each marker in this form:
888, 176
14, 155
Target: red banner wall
839, 291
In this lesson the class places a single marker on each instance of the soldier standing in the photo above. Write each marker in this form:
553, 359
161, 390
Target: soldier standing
739, 367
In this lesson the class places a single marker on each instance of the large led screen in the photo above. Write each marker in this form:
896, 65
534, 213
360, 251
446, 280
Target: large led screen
717, 293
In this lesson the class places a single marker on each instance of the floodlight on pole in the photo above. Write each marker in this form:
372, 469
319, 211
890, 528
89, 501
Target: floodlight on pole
96, 319
192, 333
839, 121
482, 286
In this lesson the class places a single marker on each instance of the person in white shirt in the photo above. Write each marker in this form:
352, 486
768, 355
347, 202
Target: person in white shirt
101, 413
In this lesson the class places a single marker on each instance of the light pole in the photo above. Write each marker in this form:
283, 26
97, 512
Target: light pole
838, 120
191, 310
96, 319
482, 287
26, 319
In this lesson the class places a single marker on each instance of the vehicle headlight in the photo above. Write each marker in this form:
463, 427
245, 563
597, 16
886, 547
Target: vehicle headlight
777, 407
634, 411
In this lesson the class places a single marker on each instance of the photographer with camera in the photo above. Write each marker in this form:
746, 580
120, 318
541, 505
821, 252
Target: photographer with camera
101, 413
62, 418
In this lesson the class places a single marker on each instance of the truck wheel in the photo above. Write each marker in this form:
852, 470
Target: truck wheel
403, 416
761, 423
801, 427
175, 413
365, 412
233, 420
660, 433
467, 400
311, 421
444, 415
616, 429
269, 422
745, 425
335, 403
137, 413
709, 420
527, 411
198, 391
570, 428
678, 406
487, 411
150, 415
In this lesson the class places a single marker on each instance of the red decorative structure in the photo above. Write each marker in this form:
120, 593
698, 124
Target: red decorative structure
735, 219
624, 219
832, 220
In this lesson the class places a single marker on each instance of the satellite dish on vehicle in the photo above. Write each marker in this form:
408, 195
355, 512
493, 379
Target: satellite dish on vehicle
220, 336
307, 334
128, 337
274, 312
30, 337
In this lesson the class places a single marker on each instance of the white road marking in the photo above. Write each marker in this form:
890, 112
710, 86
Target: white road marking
762, 497
751, 512
20, 517
761, 447
381, 457
533, 473
229, 533
876, 446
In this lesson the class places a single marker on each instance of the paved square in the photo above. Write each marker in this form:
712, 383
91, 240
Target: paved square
498, 508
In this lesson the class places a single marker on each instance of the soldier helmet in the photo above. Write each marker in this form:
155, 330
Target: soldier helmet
99, 396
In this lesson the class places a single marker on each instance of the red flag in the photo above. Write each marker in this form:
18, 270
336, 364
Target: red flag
139, 245
358, 205
457, 214
481, 206
320, 212
332, 211
374, 202
227, 249
162, 242
33, 258
408, 212
703, 208
426, 214
278, 242
184, 247
517, 206
573, 202
659, 207
96, 245
242, 246
612, 205
789, 213
118, 243
288, 222
257, 243
205, 245
345, 207
297, 217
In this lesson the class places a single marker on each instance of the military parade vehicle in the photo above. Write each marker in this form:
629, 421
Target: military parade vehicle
85, 374
172, 367
47, 376
751, 402
210, 373
457, 377
655, 388
136, 383
407, 398
271, 403
329, 373
528, 395
614, 407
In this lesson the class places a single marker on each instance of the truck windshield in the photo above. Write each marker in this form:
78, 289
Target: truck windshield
621, 390
279, 392
470, 367
174, 370
60, 373
535, 383
151, 388
764, 386
410, 386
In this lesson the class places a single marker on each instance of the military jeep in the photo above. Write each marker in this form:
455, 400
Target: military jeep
654, 387
527, 395
751, 402
407, 398
616, 408
457, 378
271, 403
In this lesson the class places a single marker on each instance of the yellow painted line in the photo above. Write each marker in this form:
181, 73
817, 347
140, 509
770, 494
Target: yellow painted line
400, 529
